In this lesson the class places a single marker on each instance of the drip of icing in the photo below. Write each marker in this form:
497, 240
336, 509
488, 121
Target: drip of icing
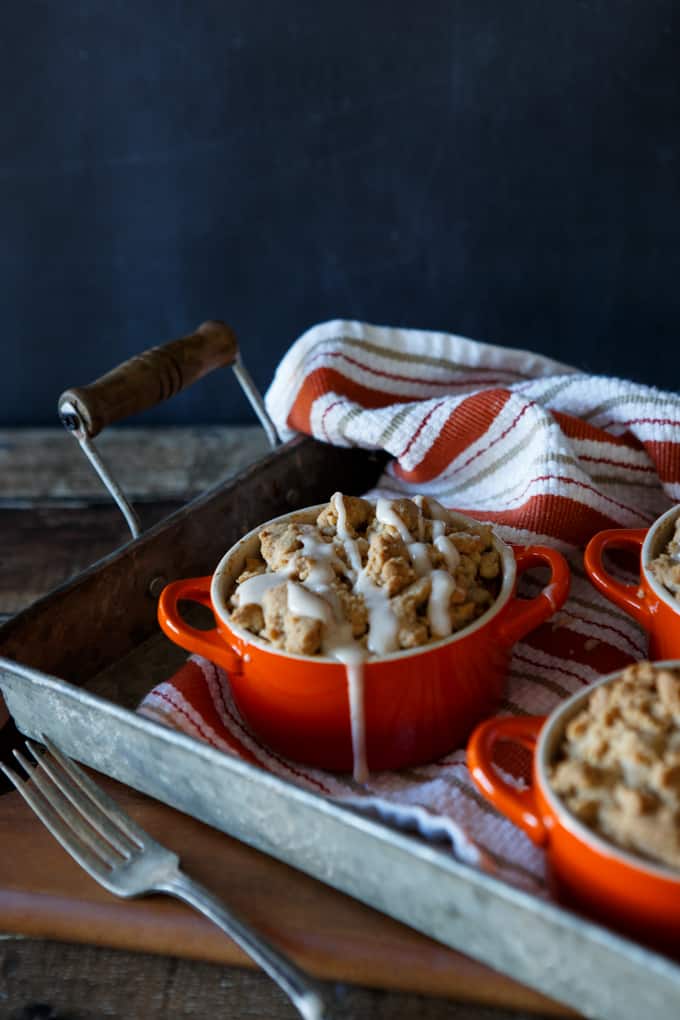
420, 558
386, 514
339, 643
448, 551
383, 630
317, 599
438, 614
357, 718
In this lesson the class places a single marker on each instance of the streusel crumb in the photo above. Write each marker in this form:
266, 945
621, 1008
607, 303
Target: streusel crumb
666, 566
367, 568
619, 765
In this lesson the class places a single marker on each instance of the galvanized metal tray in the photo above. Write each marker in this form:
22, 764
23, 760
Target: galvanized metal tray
74, 665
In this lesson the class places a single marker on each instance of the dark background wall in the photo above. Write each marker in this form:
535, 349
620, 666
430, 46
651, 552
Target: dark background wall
504, 169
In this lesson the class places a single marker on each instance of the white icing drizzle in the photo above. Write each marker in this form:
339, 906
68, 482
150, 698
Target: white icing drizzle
420, 558
303, 602
386, 514
357, 718
383, 630
419, 500
438, 529
438, 613
448, 551
383, 626
316, 598
251, 591
323, 559
351, 548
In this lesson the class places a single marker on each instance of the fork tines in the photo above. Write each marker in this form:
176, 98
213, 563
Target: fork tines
127, 861
85, 821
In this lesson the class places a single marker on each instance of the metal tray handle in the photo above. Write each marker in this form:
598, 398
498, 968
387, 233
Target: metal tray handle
148, 379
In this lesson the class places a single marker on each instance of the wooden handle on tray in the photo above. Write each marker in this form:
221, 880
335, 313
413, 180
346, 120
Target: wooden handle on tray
148, 378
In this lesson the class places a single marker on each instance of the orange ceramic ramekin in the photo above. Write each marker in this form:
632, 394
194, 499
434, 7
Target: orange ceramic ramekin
648, 602
586, 870
418, 704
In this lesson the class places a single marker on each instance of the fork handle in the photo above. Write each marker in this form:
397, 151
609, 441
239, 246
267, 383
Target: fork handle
302, 990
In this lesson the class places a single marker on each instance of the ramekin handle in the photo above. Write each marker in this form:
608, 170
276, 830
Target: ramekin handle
208, 643
524, 615
623, 595
520, 806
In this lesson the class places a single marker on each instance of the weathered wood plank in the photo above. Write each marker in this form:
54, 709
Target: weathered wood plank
42, 547
94, 983
38, 465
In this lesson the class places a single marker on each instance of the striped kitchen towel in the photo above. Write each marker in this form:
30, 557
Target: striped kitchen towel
545, 453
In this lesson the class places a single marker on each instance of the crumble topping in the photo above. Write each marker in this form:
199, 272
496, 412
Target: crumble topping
666, 566
618, 769
381, 577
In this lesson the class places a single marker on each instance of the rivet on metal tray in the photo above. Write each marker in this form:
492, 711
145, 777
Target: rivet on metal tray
293, 497
71, 422
156, 586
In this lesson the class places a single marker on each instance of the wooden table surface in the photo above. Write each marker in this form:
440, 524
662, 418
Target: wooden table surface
56, 520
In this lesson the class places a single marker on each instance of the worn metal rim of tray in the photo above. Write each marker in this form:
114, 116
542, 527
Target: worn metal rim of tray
76, 631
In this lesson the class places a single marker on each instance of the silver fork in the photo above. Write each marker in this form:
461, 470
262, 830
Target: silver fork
123, 858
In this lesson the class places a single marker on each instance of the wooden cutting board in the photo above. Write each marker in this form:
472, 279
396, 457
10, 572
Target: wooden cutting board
44, 893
